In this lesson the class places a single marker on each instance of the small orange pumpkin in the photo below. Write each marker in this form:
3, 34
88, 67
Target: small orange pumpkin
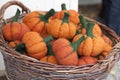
96, 29
14, 30
65, 52
37, 20
86, 60
92, 45
35, 45
73, 14
14, 43
49, 59
50, 55
61, 28
107, 40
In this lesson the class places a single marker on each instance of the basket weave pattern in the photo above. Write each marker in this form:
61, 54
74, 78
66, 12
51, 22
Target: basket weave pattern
21, 67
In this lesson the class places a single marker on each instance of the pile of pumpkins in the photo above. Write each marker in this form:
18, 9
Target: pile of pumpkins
62, 38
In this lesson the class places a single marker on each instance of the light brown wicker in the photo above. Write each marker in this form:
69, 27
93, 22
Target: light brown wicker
21, 67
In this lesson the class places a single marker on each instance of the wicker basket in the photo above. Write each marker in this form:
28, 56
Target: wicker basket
21, 67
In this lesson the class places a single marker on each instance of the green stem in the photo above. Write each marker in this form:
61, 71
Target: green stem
47, 15
50, 51
78, 42
65, 18
49, 38
90, 30
15, 18
63, 6
83, 22
21, 48
77, 32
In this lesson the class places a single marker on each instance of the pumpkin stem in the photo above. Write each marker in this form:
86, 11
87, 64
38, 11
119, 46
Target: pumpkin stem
15, 18
83, 22
49, 38
63, 6
90, 29
50, 51
21, 48
77, 32
78, 42
65, 18
47, 15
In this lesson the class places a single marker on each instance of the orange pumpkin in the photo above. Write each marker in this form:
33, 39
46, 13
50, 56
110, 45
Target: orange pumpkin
73, 14
86, 60
96, 29
14, 43
35, 45
65, 52
49, 59
37, 20
61, 28
50, 55
92, 45
107, 40
14, 30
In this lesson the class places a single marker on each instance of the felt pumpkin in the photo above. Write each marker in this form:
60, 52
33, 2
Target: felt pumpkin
61, 28
96, 29
50, 57
35, 44
73, 14
65, 52
107, 40
86, 60
103, 55
14, 43
14, 30
37, 20
92, 45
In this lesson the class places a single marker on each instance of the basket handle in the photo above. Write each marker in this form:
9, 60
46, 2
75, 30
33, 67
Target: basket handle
8, 4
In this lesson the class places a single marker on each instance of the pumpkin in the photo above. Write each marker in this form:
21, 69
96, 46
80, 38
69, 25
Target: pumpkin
35, 44
65, 52
73, 14
107, 40
61, 28
14, 30
37, 20
103, 55
86, 60
96, 29
92, 45
14, 43
50, 58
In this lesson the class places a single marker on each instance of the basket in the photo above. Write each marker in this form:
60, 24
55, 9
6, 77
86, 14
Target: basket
21, 67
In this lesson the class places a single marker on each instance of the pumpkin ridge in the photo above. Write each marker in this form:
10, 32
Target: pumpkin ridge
35, 25
11, 31
62, 47
20, 30
35, 43
68, 31
40, 51
68, 54
59, 30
